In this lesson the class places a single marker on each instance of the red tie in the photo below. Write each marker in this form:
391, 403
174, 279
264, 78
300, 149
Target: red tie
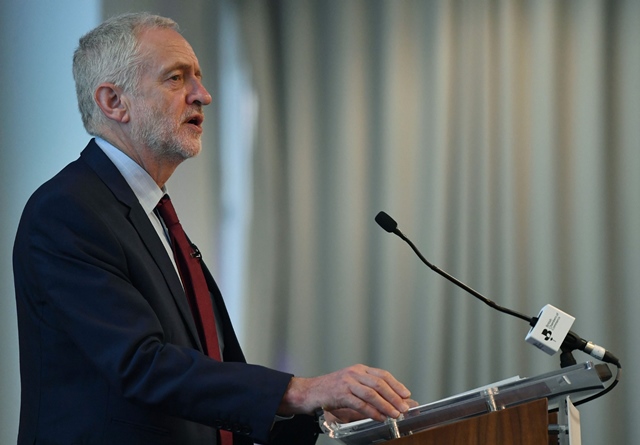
187, 258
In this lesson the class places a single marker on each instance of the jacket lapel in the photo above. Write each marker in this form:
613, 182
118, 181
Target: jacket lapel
110, 175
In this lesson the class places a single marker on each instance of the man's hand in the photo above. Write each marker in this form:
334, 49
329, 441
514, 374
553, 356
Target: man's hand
346, 415
370, 392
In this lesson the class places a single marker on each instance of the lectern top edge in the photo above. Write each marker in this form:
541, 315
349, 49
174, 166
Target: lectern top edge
579, 381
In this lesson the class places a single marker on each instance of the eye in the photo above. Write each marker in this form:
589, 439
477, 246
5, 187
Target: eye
176, 78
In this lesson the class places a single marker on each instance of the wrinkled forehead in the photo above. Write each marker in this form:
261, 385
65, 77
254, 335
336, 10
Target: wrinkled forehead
162, 47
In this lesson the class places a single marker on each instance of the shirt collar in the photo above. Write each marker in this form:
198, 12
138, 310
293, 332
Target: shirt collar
142, 184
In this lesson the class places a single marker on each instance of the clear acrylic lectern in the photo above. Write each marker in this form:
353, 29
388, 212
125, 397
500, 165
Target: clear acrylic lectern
578, 381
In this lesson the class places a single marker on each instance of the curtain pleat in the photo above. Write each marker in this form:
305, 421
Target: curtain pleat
501, 135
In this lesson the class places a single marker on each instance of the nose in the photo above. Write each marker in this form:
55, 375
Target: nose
199, 94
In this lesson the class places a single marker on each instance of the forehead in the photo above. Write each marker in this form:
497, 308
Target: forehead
164, 48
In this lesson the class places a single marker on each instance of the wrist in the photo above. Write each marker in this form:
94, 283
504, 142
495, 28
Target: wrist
294, 400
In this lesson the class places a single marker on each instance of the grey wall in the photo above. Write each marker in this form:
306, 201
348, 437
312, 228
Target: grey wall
40, 132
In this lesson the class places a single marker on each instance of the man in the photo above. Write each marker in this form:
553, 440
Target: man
111, 342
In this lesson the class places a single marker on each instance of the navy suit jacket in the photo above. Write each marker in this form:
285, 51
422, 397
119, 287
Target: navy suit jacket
109, 352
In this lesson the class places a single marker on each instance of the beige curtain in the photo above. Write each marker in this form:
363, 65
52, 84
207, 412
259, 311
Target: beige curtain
503, 136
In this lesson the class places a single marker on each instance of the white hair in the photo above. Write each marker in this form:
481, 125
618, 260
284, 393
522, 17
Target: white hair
110, 53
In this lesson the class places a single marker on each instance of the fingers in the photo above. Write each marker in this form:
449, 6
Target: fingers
346, 415
412, 403
342, 415
394, 385
369, 392
379, 393
388, 388
372, 392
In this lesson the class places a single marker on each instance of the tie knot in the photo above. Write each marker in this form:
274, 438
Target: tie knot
167, 212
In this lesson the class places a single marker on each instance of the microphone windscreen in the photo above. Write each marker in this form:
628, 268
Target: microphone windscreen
386, 222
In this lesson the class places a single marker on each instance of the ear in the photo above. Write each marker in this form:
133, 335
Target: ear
110, 100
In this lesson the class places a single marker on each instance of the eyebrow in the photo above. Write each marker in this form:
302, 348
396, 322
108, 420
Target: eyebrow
182, 67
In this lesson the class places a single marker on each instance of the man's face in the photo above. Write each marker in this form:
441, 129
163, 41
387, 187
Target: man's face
166, 110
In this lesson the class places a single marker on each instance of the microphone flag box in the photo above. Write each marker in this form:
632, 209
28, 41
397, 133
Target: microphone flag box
551, 329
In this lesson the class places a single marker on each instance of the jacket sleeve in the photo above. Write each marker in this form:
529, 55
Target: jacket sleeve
300, 430
88, 281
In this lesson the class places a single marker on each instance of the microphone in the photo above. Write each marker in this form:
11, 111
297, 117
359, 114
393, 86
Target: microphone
552, 325
571, 340
389, 224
